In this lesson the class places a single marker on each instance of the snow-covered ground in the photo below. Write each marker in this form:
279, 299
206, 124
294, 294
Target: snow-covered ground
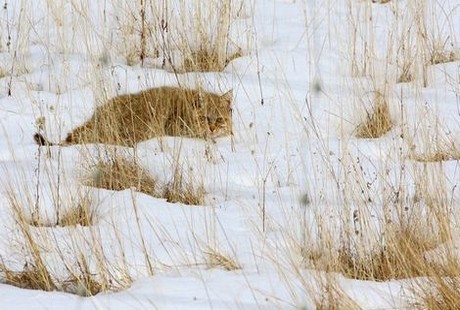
292, 170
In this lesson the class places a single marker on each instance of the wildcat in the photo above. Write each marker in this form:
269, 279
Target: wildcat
131, 118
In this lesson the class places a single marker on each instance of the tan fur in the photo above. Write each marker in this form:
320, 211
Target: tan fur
129, 119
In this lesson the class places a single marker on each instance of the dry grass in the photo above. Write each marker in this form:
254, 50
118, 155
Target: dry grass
400, 252
83, 283
193, 36
207, 60
404, 248
3, 73
438, 56
37, 275
182, 189
434, 285
437, 156
119, 174
406, 75
332, 297
33, 277
82, 214
38, 278
402, 257
434, 148
212, 53
378, 122
440, 293
215, 259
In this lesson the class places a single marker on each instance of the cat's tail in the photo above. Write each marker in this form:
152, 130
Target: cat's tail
41, 140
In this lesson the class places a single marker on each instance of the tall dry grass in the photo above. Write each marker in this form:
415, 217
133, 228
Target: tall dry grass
40, 274
385, 234
184, 35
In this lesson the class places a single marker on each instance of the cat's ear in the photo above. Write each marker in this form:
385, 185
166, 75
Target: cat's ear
228, 96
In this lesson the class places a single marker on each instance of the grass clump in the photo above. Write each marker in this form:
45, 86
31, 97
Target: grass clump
82, 214
381, 1
437, 156
332, 297
378, 122
433, 149
207, 60
440, 293
439, 56
406, 75
38, 274
34, 276
400, 258
83, 282
84, 285
183, 191
214, 259
120, 173
166, 34
37, 277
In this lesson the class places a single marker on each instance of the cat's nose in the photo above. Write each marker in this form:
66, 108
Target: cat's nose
212, 127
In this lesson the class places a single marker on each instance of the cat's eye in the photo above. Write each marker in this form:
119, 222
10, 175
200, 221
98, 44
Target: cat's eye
219, 120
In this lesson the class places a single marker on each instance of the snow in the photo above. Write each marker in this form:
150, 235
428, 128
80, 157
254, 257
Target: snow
280, 177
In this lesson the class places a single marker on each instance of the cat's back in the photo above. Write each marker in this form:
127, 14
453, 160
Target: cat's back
169, 94
138, 102
164, 99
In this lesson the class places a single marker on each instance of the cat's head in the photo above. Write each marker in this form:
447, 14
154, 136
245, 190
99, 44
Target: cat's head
216, 115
